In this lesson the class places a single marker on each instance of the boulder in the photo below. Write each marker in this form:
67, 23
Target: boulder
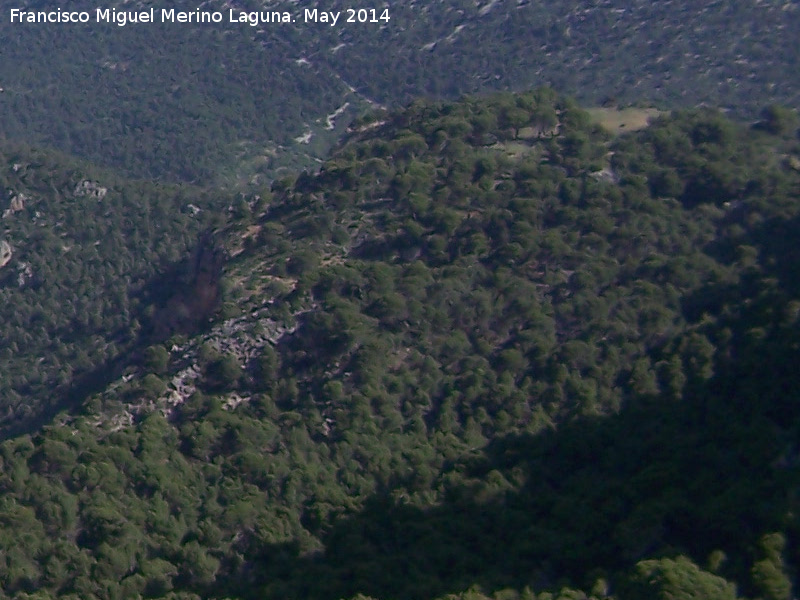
16, 204
5, 253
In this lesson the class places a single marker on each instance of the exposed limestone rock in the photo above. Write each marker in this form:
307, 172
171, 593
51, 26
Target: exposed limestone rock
92, 189
5, 253
606, 174
244, 337
16, 204
24, 273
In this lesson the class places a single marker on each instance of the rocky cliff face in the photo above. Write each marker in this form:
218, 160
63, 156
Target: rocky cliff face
195, 296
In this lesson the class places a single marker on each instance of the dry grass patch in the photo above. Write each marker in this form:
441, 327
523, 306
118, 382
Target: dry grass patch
619, 121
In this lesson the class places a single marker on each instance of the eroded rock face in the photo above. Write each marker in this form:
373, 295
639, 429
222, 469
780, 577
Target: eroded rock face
196, 294
5, 253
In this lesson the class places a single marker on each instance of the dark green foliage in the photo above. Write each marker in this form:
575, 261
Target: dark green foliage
778, 120
223, 373
468, 360
79, 291
769, 575
180, 102
152, 387
156, 359
678, 579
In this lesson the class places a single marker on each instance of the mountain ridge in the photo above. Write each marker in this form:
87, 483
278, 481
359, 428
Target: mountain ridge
260, 101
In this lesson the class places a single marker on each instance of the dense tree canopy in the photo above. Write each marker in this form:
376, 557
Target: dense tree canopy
489, 350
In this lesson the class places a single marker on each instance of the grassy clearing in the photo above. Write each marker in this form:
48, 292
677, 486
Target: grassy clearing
619, 121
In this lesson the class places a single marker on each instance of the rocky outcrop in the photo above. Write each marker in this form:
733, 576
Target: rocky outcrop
244, 337
5, 253
90, 189
16, 204
24, 273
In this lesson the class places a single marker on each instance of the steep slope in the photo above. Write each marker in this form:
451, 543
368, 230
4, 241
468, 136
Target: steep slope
84, 248
485, 345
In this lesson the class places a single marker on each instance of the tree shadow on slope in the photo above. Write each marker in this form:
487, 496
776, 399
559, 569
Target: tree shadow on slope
714, 469
180, 299
185, 295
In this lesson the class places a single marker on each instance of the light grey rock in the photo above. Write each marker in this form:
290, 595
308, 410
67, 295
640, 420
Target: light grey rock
90, 189
5, 253
16, 205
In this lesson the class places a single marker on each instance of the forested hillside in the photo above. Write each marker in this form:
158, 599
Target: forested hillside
180, 102
232, 103
82, 249
673, 54
488, 350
